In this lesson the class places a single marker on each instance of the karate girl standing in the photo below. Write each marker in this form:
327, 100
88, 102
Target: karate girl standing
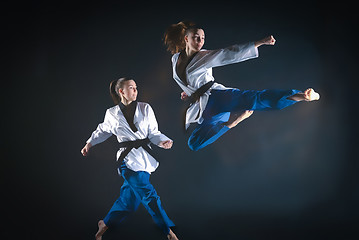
214, 107
135, 126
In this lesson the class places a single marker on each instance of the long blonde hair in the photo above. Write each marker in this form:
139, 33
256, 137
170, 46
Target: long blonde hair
174, 35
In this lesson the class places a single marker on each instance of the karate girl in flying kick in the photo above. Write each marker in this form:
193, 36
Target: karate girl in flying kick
135, 126
213, 107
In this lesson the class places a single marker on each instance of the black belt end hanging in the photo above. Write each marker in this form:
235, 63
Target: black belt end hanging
194, 98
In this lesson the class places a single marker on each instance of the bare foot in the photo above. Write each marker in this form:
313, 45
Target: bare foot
307, 95
311, 95
236, 118
172, 236
101, 229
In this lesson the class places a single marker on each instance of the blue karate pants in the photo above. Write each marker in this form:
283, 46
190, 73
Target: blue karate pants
137, 189
222, 102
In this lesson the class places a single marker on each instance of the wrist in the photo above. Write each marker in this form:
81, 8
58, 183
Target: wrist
258, 43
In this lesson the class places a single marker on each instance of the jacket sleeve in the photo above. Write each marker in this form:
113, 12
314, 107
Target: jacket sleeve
102, 132
154, 134
233, 54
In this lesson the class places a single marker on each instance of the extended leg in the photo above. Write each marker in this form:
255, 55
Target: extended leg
226, 108
235, 100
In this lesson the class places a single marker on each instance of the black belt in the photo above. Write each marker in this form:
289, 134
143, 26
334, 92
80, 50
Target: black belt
200, 91
196, 96
129, 145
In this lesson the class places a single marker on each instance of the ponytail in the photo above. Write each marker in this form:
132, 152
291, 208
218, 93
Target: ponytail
174, 36
115, 85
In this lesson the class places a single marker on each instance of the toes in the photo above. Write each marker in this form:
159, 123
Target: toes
308, 92
311, 95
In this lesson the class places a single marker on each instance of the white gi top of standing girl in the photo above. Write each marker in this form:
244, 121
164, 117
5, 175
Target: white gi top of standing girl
124, 92
116, 124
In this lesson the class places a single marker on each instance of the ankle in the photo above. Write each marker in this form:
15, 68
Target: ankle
171, 236
297, 97
230, 124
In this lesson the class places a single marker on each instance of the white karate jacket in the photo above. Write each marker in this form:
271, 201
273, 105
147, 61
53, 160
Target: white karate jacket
116, 124
199, 72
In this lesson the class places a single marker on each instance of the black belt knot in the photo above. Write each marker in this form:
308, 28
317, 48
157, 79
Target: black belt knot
196, 96
200, 91
129, 145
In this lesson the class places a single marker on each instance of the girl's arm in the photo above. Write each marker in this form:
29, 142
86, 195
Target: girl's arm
184, 96
166, 144
234, 54
225, 56
155, 136
265, 41
102, 132
85, 150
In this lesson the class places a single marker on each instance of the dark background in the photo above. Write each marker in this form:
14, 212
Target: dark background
290, 174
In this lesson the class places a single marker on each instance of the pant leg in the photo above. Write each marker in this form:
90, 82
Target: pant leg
123, 206
222, 102
233, 100
273, 99
208, 131
143, 189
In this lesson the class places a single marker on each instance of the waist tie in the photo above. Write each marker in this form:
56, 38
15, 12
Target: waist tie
195, 97
129, 145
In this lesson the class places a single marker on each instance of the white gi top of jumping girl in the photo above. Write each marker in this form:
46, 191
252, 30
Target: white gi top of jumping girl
116, 124
199, 72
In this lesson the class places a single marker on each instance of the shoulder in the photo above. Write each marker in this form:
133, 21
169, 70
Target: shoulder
145, 108
113, 110
202, 53
175, 57
143, 105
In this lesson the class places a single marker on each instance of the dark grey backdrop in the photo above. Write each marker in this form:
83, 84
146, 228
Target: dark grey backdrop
290, 174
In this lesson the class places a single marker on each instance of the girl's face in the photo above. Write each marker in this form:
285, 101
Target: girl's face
195, 39
129, 90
